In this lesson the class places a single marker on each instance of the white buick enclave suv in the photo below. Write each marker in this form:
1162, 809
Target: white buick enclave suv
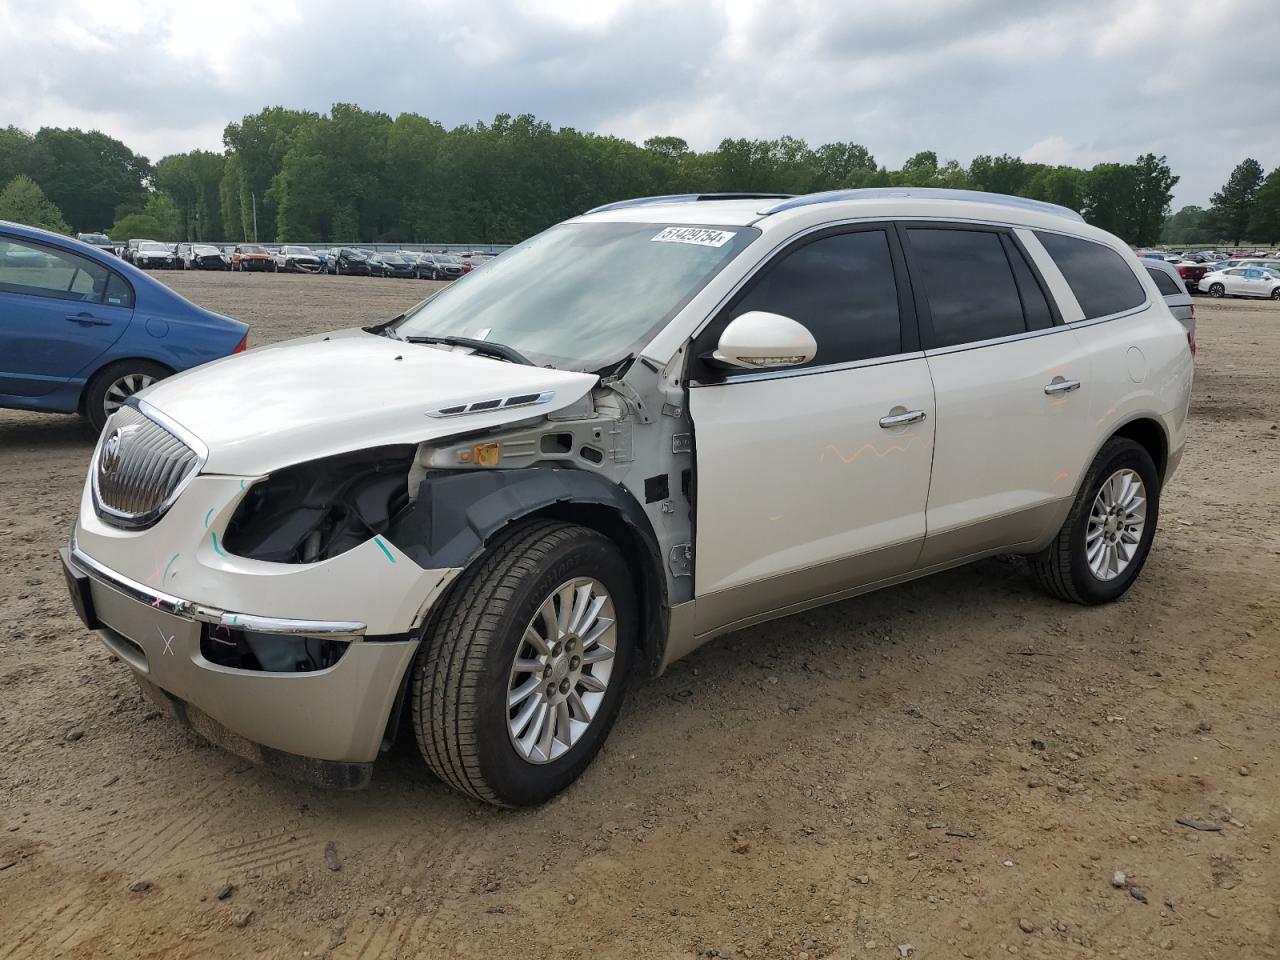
648, 426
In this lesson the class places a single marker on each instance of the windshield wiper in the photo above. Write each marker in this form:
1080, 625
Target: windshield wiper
499, 350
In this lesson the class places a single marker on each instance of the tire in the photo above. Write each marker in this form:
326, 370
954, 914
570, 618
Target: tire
99, 394
1063, 568
1275, 294
467, 666
1217, 290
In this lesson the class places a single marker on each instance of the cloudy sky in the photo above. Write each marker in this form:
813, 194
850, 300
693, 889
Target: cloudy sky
1058, 81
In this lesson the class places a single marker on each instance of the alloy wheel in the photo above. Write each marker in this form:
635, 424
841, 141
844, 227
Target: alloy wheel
123, 388
562, 669
1116, 522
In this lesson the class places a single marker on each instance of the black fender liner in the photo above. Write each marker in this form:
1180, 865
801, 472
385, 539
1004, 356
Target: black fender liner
457, 514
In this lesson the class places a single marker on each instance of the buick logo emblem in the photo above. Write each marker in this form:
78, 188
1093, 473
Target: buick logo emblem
110, 461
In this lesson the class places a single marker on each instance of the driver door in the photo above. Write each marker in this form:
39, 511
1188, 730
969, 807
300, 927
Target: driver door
812, 481
59, 312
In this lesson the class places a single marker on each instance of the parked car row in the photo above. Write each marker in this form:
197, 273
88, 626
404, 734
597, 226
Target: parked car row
1196, 269
291, 258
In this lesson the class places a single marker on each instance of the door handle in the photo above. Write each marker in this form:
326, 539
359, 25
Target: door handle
901, 419
87, 320
1060, 385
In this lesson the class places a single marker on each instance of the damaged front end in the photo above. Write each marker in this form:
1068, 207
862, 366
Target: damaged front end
313, 511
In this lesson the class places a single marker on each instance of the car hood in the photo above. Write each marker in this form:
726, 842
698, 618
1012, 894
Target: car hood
350, 390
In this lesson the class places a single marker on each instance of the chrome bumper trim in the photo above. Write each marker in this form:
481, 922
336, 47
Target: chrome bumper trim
190, 610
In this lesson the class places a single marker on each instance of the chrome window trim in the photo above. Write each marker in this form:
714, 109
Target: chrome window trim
997, 341
133, 521
190, 610
788, 372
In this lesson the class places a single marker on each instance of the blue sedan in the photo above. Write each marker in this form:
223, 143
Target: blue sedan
81, 331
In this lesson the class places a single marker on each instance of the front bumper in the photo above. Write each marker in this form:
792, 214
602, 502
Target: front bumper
324, 726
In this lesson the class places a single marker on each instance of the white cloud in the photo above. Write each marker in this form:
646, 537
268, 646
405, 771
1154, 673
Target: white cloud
1080, 81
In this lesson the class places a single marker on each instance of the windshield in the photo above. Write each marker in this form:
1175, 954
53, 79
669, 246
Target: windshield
295, 249
151, 245
581, 296
203, 250
251, 249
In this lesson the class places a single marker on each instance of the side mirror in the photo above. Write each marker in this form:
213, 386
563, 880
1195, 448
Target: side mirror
758, 341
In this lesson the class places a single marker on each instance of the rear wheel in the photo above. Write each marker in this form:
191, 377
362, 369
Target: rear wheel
116, 383
1217, 290
522, 676
1275, 294
1104, 543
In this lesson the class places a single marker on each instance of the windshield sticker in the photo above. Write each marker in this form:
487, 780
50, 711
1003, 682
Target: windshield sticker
699, 236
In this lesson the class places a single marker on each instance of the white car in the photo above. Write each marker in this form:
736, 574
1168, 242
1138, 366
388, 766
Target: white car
295, 259
659, 422
1241, 282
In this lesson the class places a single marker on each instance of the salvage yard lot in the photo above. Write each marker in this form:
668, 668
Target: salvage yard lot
929, 765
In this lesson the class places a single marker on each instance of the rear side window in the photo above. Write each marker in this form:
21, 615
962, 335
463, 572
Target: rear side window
971, 288
1164, 283
119, 293
1098, 276
842, 288
1035, 305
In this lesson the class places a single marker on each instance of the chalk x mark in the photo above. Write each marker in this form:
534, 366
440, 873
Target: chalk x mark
168, 643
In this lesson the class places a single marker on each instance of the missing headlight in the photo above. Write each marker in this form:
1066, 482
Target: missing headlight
316, 510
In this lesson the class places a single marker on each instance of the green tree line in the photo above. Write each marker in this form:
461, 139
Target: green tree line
355, 174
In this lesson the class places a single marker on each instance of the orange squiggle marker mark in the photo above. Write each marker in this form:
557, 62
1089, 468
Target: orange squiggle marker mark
868, 446
778, 517
1109, 413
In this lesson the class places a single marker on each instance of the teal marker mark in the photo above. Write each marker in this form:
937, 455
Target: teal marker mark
206, 518
241, 484
217, 549
165, 575
383, 547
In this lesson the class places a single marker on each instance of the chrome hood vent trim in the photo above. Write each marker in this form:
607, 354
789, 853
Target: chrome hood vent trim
497, 403
142, 464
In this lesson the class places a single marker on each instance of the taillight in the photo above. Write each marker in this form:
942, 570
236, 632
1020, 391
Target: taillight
244, 342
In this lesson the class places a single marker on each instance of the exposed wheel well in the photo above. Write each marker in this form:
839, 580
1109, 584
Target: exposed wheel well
641, 557
1150, 435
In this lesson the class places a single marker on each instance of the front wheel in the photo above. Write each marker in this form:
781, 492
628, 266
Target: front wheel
1275, 294
1104, 543
1217, 290
521, 677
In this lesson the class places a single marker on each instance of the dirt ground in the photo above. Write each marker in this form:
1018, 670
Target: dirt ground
960, 764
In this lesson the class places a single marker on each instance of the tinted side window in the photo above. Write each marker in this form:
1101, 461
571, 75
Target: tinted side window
1098, 276
1164, 283
842, 288
40, 271
1035, 305
119, 293
970, 285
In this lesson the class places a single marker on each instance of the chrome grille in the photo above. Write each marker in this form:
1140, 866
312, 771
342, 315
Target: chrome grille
139, 468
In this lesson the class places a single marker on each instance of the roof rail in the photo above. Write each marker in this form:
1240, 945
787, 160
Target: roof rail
688, 198
923, 193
